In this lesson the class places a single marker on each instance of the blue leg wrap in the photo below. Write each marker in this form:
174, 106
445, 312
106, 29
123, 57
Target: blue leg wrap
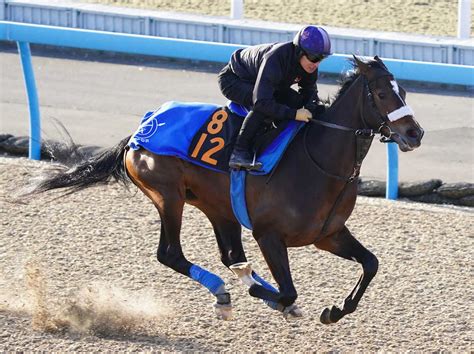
206, 278
268, 286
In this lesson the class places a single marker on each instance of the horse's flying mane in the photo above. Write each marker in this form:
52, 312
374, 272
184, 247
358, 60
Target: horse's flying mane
349, 76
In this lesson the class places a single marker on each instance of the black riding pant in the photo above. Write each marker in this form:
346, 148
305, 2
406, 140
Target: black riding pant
241, 91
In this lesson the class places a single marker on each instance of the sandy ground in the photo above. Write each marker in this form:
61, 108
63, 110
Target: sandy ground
427, 17
80, 274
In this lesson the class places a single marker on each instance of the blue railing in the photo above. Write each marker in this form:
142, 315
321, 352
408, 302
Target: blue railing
197, 50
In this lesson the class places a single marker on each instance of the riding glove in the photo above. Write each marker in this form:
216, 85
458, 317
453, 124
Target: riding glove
303, 115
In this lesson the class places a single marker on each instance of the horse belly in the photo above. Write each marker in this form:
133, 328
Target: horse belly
207, 190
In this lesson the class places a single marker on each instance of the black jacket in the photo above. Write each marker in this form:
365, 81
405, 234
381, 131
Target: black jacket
274, 67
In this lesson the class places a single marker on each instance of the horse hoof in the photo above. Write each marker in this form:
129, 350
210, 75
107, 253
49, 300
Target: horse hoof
331, 315
325, 316
223, 312
292, 312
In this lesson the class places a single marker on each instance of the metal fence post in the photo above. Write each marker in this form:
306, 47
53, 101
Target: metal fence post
236, 9
464, 19
391, 191
3, 6
35, 123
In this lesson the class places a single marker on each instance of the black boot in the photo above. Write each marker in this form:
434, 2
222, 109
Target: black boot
243, 156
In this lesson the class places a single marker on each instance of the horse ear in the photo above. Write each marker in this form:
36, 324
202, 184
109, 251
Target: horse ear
378, 60
363, 67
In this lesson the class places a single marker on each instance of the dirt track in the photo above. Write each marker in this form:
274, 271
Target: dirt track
80, 274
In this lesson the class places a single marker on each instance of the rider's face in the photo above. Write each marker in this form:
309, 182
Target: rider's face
308, 65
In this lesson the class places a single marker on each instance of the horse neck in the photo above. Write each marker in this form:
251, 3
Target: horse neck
347, 110
334, 149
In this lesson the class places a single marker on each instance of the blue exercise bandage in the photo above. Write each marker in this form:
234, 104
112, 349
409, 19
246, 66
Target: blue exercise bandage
206, 278
268, 286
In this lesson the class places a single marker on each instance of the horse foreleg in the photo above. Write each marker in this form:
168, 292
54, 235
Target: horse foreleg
275, 253
229, 239
344, 245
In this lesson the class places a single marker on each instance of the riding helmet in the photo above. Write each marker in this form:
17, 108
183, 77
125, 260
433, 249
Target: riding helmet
313, 41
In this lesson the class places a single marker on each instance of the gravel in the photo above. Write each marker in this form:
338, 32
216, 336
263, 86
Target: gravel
79, 273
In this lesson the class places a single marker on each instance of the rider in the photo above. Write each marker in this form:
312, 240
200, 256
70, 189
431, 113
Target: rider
260, 78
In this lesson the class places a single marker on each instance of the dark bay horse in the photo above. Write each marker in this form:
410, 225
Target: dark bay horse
307, 200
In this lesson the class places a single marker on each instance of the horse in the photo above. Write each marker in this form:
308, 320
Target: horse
307, 201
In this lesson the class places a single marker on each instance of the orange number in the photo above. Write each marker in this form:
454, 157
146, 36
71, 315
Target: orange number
199, 145
218, 119
206, 157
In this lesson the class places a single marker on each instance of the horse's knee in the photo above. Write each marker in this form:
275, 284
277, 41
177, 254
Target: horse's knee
370, 265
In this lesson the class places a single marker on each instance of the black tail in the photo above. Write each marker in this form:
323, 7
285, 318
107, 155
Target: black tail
97, 169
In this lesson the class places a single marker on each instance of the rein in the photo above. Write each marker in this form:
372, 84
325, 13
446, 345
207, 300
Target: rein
363, 141
364, 138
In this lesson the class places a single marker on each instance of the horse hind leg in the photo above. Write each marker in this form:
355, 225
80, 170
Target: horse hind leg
344, 245
166, 190
170, 254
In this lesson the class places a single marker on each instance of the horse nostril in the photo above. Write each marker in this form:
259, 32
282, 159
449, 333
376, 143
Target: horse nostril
412, 133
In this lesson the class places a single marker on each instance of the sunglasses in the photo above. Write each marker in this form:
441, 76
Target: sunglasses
315, 58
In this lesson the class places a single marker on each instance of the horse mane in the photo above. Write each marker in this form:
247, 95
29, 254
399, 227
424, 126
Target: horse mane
349, 76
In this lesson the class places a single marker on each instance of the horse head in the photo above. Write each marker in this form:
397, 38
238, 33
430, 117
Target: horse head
388, 111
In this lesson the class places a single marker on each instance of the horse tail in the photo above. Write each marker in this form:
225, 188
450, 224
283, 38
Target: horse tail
95, 170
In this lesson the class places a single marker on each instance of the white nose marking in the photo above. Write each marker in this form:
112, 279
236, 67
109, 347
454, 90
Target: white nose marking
404, 110
395, 86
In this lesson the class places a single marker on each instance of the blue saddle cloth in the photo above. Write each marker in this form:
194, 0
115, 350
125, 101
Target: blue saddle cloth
171, 129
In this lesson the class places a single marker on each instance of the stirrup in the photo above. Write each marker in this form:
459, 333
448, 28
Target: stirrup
246, 164
256, 165
253, 166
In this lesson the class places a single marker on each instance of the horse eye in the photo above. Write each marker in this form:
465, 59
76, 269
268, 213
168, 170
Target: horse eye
381, 95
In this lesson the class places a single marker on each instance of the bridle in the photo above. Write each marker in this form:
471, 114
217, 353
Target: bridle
364, 136
384, 130
386, 133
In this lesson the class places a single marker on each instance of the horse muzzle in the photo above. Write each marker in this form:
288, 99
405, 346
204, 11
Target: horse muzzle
407, 135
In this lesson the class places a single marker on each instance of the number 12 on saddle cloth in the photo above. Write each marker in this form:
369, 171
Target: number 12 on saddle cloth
213, 142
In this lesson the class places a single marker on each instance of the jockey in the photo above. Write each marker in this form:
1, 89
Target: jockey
260, 78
